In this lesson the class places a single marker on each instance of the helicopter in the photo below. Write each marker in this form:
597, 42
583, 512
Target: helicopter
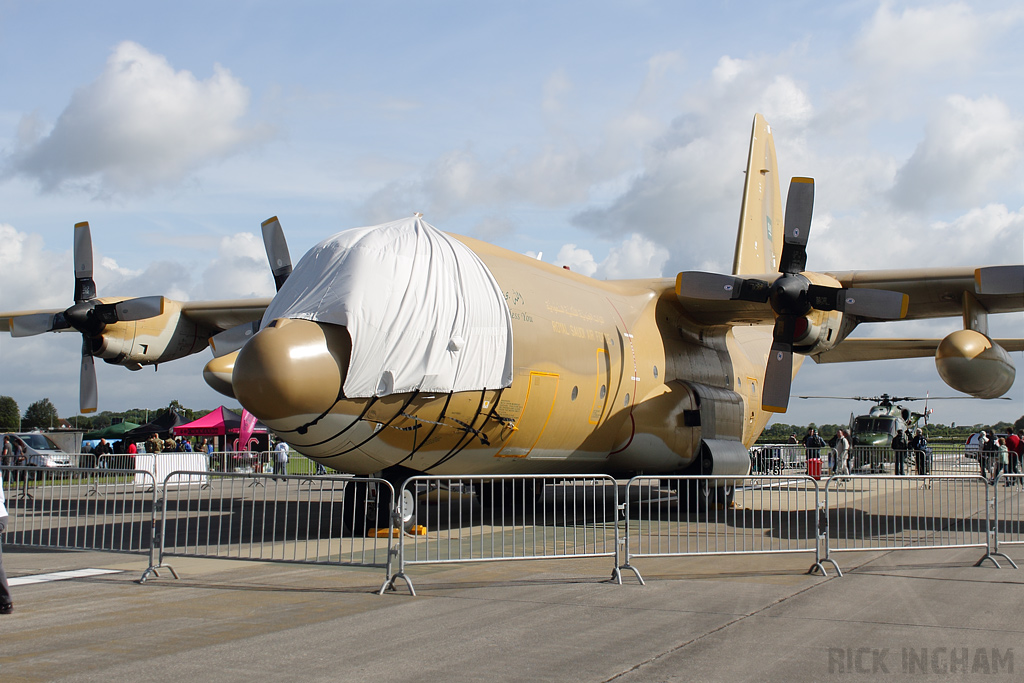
871, 435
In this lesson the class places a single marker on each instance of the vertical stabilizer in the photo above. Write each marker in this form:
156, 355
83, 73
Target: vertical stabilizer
757, 249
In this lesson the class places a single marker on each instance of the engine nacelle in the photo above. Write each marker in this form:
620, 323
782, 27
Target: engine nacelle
970, 362
168, 336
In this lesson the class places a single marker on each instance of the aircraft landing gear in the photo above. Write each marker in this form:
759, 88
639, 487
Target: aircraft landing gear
368, 506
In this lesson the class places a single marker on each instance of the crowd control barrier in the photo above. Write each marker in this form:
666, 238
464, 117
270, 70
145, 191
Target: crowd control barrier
336, 520
885, 512
80, 509
688, 515
512, 517
1008, 513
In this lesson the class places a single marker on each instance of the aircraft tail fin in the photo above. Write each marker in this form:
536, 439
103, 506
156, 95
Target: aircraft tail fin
757, 250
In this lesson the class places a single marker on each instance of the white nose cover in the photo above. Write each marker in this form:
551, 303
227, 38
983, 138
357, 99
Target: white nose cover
423, 311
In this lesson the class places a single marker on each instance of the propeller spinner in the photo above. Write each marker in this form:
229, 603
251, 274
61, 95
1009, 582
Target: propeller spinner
792, 296
87, 315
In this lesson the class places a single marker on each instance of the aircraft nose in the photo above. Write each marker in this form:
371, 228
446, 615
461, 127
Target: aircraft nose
292, 369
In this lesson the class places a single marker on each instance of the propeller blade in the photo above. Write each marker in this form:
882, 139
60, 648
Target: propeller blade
233, 339
85, 287
30, 325
129, 309
1000, 280
799, 207
87, 393
140, 308
717, 287
880, 304
277, 251
778, 374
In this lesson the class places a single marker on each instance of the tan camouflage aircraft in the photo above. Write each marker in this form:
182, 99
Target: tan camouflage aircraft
401, 349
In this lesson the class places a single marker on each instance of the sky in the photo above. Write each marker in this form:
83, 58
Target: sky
610, 136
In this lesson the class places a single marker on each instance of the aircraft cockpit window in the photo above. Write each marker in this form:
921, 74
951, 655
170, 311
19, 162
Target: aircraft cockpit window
875, 426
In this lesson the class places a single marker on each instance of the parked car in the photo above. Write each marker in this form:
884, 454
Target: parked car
40, 450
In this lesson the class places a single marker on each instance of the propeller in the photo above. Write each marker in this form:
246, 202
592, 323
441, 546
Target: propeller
791, 295
1000, 280
87, 315
277, 251
233, 339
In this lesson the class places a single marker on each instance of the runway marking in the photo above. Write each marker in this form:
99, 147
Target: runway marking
59, 576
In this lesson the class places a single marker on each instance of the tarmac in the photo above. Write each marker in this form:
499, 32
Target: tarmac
895, 615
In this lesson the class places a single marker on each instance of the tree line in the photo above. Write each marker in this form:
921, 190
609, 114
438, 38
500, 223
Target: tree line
42, 414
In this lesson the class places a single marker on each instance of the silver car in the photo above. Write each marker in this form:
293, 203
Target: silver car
40, 450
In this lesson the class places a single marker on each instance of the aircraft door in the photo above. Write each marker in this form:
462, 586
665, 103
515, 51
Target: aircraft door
534, 416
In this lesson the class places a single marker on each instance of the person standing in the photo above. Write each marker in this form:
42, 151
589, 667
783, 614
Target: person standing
899, 452
6, 604
842, 452
281, 458
6, 454
919, 444
1013, 444
1002, 459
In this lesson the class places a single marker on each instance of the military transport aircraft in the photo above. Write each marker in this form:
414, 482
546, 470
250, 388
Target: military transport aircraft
398, 348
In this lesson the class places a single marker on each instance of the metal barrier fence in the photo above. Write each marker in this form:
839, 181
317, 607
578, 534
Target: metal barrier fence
80, 509
282, 518
685, 516
512, 517
1008, 513
785, 458
885, 512
324, 519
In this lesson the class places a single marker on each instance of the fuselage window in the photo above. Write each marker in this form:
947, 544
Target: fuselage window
575, 392
626, 402
604, 391
655, 372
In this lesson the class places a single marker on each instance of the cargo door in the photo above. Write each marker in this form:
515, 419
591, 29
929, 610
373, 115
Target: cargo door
534, 417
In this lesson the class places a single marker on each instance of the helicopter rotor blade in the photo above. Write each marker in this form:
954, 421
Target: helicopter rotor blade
277, 251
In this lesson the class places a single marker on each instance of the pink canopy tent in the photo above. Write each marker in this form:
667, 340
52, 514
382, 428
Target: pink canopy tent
220, 422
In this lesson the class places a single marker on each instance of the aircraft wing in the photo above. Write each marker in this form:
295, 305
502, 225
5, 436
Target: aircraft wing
851, 350
223, 315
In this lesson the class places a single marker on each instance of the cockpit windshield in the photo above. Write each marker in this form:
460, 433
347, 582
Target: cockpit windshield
874, 425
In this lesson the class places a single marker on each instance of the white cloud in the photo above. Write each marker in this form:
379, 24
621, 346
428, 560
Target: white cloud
578, 260
922, 38
239, 271
970, 148
140, 125
635, 257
